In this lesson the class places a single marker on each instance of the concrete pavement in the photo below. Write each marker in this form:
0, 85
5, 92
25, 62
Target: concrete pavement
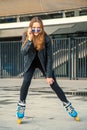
44, 111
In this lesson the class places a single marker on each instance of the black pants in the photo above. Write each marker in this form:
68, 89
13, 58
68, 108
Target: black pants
27, 81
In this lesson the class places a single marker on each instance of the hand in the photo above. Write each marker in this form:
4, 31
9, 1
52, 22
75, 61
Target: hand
29, 34
50, 81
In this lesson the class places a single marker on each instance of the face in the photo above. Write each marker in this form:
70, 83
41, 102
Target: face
36, 29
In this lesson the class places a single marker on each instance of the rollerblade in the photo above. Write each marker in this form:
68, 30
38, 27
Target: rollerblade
72, 112
20, 112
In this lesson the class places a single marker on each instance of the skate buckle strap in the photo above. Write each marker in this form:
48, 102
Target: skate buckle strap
69, 108
21, 104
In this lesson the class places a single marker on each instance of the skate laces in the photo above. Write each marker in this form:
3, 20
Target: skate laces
21, 107
68, 107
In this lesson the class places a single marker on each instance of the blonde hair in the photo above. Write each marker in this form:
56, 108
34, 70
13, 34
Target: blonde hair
39, 40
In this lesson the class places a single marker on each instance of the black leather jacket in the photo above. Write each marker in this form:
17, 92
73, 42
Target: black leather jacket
45, 55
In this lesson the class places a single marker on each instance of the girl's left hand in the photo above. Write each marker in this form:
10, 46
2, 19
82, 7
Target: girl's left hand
50, 81
29, 34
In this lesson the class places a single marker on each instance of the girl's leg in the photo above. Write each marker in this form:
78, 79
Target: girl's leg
68, 106
23, 93
72, 112
26, 83
55, 86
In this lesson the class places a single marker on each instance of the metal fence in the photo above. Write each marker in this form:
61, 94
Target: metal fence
69, 56
11, 60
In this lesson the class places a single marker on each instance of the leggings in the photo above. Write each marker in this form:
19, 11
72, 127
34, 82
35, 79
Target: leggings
27, 81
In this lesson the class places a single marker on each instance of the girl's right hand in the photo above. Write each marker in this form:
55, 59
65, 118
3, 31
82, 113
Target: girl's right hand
29, 34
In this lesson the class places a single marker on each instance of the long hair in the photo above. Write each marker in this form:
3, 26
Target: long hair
38, 40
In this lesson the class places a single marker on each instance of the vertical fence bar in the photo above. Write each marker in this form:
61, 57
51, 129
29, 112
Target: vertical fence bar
0, 61
69, 59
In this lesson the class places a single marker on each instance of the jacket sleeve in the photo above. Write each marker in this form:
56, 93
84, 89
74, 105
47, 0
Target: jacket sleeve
26, 47
49, 57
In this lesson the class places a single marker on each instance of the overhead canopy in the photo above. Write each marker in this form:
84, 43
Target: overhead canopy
19, 7
71, 28
57, 29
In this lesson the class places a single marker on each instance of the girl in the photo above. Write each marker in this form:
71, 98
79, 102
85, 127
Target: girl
37, 51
